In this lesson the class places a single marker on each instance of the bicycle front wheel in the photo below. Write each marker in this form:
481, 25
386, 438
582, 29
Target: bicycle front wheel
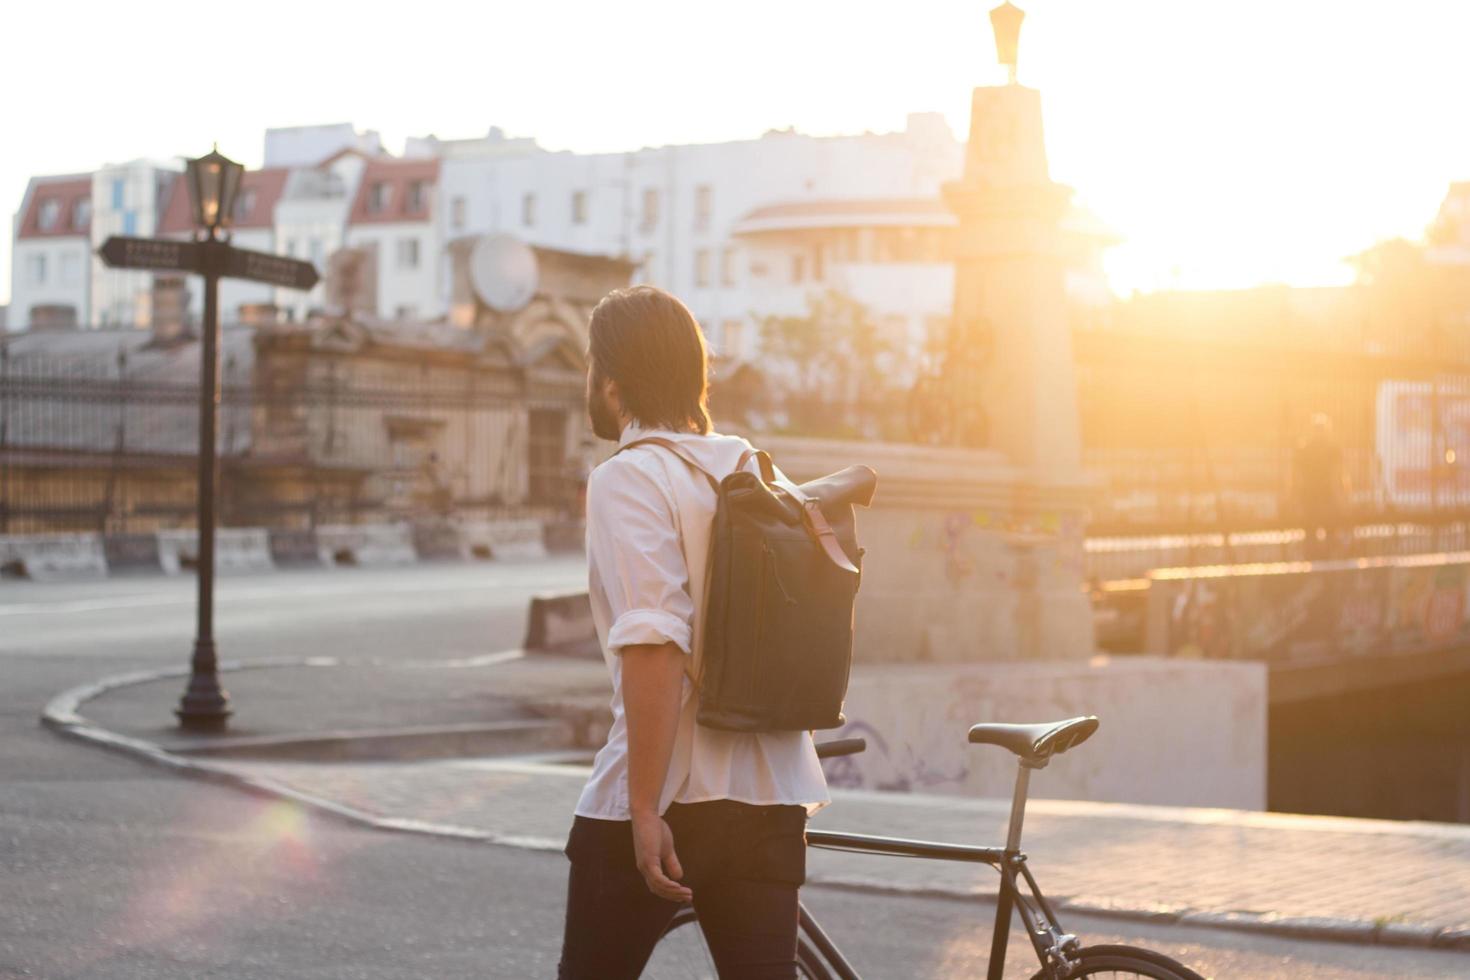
681, 954
1125, 963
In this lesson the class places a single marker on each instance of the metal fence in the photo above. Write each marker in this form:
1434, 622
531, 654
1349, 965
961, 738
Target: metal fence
90, 444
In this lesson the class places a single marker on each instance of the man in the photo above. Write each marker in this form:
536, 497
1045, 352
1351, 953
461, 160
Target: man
674, 812
1319, 489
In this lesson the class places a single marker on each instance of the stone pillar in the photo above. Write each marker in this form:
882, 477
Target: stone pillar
1010, 299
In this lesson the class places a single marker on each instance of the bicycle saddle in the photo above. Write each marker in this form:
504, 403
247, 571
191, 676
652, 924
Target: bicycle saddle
1036, 743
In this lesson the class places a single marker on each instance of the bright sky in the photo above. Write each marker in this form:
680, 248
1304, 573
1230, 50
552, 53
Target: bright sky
1229, 143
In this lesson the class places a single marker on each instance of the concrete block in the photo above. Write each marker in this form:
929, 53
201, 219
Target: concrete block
47, 557
131, 553
522, 538
438, 540
294, 547
1182, 733
366, 544
236, 549
562, 623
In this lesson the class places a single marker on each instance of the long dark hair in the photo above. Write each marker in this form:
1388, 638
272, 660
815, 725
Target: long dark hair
650, 345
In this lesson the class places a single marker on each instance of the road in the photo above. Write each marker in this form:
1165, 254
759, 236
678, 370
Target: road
112, 869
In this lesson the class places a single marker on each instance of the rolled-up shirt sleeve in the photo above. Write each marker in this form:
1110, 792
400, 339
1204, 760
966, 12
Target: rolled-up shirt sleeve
633, 542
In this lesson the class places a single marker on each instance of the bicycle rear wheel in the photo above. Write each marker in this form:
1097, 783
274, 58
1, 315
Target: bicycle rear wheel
1125, 963
681, 954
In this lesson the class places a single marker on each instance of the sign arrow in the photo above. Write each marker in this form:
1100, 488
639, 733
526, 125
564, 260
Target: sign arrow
120, 252
277, 270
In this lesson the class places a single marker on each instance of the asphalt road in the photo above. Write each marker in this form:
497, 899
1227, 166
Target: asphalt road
112, 869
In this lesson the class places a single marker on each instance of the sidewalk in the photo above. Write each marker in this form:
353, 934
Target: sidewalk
1323, 877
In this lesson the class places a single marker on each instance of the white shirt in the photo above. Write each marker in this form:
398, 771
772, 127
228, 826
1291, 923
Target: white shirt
648, 535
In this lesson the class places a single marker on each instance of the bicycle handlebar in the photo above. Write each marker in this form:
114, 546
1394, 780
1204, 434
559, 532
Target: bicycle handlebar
841, 746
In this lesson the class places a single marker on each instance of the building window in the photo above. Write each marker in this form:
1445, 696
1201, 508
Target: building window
408, 253
71, 269
117, 193
528, 210
130, 222
732, 339
380, 194
407, 311
456, 213
49, 213
244, 204
418, 195
650, 210
727, 267
36, 269
314, 247
546, 455
798, 268
818, 264
579, 207
703, 198
701, 267
81, 214
290, 247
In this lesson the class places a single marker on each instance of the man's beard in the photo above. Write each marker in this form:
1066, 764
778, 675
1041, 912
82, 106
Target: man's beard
605, 422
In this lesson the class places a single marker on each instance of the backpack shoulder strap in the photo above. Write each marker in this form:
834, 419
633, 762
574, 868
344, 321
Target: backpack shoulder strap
677, 450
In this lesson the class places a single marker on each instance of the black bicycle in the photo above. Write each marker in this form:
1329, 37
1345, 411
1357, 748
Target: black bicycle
682, 955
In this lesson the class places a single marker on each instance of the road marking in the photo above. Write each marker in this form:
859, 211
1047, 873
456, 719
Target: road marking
138, 601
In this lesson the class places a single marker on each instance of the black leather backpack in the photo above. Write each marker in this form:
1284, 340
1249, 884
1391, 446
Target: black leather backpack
782, 580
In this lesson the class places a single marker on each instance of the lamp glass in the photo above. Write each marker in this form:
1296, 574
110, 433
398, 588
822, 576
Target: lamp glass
214, 180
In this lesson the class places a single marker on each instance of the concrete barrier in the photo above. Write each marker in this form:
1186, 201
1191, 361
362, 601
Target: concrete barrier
438, 541
523, 538
294, 547
236, 549
366, 544
131, 553
1305, 612
562, 623
1174, 732
46, 557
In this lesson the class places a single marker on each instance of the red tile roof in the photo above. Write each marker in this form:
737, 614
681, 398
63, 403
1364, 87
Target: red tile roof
260, 189
397, 175
67, 192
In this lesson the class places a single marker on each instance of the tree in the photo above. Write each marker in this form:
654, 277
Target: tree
828, 366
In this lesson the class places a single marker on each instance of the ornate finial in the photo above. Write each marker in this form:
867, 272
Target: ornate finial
1005, 21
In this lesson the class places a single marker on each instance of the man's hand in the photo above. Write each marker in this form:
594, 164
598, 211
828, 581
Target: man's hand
653, 845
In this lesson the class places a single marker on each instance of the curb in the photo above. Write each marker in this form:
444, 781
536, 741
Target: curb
62, 715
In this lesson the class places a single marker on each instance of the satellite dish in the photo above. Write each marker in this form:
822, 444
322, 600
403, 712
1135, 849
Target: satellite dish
503, 272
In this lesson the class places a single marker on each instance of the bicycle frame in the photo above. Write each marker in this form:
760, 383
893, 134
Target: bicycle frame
1053, 945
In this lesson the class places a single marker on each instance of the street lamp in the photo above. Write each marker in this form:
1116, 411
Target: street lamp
1005, 21
213, 182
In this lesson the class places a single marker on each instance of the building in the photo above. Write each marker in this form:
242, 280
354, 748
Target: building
127, 199
51, 271
393, 218
675, 210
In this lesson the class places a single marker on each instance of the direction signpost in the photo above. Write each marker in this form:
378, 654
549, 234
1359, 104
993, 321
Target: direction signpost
213, 181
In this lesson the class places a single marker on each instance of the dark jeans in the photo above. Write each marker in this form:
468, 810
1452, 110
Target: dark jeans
744, 864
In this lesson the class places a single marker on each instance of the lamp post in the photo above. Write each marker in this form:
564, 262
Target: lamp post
213, 182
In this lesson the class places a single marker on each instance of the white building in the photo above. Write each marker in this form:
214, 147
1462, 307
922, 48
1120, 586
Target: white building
675, 209
395, 218
307, 146
51, 265
127, 199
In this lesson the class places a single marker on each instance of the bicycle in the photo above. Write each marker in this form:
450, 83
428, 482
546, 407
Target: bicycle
681, 952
